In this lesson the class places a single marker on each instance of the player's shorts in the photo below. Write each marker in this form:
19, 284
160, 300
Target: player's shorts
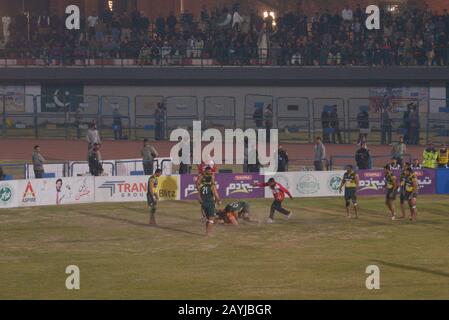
150, 200
209, 209
410, 195
391, 194
350, 196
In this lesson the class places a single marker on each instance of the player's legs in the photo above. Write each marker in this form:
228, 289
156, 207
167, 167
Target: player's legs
413, 209
152, 205
278, 207
209, 211
402, 204
389, 200
355, 204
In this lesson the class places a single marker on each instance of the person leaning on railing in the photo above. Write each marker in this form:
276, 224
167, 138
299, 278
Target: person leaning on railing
148, 153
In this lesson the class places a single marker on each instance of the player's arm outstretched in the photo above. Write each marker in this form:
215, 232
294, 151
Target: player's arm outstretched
285, 190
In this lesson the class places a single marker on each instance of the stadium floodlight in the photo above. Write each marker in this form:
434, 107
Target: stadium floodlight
265, 14
111, 5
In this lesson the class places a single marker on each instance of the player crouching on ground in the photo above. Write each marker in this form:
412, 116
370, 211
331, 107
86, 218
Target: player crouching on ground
392, 187
152, 196
350, 181
234, 211
279, 192
207, 196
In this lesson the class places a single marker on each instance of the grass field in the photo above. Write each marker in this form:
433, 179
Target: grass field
318, 254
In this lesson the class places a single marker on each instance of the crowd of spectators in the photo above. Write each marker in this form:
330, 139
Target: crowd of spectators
229, 36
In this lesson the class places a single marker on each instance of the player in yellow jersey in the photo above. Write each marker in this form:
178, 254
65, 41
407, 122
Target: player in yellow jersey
152, 195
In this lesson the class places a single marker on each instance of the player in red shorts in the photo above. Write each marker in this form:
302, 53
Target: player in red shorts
279, 192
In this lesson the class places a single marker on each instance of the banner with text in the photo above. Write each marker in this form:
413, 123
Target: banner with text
308, 183
134, 188
229, 185
372, 182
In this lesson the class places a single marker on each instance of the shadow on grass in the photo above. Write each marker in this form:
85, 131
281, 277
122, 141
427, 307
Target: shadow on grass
413, 268
137, 224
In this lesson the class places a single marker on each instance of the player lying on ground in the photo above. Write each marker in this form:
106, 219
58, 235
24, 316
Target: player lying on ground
391, 187
207, 196
279, 192
234, 211
350, 181
411, 191
152, 196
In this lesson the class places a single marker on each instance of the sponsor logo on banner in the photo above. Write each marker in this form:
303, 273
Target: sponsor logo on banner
372, 180
29, 196
334, 182
168, 188
83, 190
125, 189
240, 186
6, 194
282, 179
308, 184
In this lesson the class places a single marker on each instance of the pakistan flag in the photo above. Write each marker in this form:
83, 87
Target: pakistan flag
55, 98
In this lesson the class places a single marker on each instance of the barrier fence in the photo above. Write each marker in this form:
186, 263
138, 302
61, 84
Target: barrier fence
336, 120
87, 189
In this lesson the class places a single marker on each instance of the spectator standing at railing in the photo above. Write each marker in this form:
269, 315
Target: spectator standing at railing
282, 157
363, 157
92, 21
268, 117
430, 157
117, 127
38, 162
319, 154
386, 126
325, 123
335, 125
94, 160
398, 150
148, 153
92, 137
159, 120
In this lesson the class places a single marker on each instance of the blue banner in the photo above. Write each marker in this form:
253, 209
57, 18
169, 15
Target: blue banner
443, 181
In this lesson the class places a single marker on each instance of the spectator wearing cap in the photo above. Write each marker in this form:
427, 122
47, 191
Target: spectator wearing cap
38, 162
148, 153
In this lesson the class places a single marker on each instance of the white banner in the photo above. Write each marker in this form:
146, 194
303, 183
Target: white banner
134, 188
9, 194
81, 168
52, 168
128, 166
42, 192
308, 183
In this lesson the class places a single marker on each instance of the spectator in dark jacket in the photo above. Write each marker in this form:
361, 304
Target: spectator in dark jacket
95, 166
363, 157
335, 125
2, 174
282, 160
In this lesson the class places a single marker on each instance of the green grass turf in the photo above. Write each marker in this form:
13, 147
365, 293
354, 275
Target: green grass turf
317, 254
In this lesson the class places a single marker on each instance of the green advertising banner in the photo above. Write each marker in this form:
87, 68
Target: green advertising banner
62, 98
